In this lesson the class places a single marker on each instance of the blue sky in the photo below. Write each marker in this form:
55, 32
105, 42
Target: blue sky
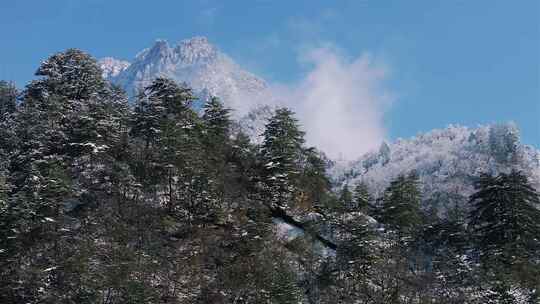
447, 62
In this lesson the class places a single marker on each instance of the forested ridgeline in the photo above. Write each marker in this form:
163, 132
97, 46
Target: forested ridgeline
150, 201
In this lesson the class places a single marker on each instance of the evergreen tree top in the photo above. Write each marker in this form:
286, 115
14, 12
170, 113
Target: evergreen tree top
72, 74
283, 132
401, 204
216, 115
8, 97
505, 217
167, 93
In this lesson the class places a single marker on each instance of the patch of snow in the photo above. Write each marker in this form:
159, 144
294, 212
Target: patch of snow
111, 67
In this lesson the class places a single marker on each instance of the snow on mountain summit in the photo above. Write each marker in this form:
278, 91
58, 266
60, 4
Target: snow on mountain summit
111, 67
201, 65
196, 49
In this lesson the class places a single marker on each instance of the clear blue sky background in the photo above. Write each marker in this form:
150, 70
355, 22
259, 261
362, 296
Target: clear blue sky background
456, 61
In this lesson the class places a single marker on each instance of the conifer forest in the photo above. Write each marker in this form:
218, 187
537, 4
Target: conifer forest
162, 197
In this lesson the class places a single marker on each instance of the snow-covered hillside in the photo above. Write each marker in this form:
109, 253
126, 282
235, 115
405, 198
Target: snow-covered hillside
196, 62
447, 162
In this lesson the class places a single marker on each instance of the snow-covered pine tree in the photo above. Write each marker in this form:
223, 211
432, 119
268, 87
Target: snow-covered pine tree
384, 153
504, 142
281, 150
401, 205
217, 120
86, 116
283, 287
73, 74
346, 199
4, 188
161, 104
4, 205
8, 107
8, 98
361, 197
169, 157
36, 138
504, 220
313, 180
356, 252
446, 243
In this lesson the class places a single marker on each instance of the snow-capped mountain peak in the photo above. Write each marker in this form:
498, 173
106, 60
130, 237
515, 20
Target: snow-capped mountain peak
111, 67
196, 49
201, 65
160, 49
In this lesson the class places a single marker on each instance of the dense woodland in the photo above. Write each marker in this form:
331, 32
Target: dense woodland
105, 200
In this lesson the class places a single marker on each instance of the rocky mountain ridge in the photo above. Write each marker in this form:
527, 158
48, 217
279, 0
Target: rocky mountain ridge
196, 62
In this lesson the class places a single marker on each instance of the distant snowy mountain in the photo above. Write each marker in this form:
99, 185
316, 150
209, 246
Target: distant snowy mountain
111, 67
447, 161
196, 62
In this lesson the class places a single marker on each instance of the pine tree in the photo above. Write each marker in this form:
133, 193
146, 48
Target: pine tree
83, 117
346, 198
37, 238
8, 98
4, 188
402, 218
216, 123
401, 205
8, 107
4, 205
80, 105
281, 151
384, 153
64, 130
163, 104
356, 251
315, 185
36, 138
504, 219
243, 159
169, 156
361, 197
503, 142
72, 74
217, 120
446, 243
283, 287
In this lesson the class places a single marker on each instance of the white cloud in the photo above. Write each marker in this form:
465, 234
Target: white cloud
340, 102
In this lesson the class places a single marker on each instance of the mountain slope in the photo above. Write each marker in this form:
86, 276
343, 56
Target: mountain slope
447, 162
